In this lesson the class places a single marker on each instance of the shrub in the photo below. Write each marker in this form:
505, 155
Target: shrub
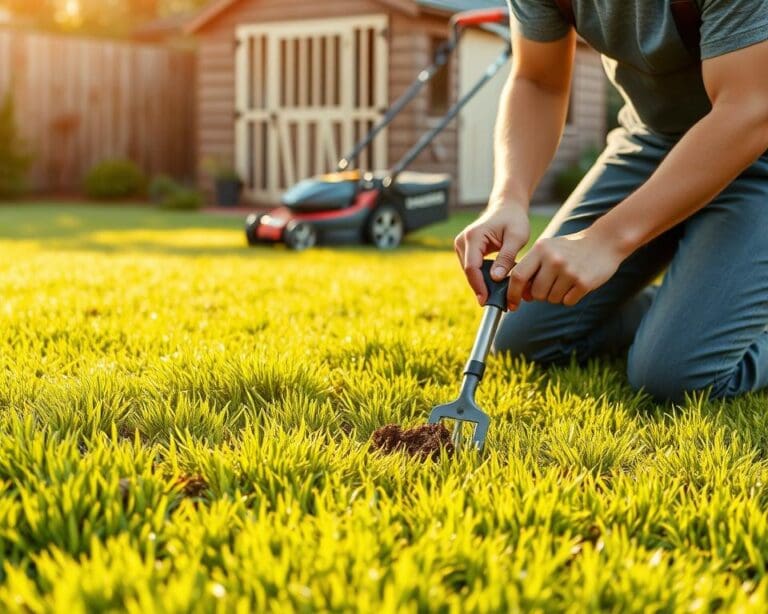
15, 159
113, 179
168, 193
161, 188
182, 199
569, 178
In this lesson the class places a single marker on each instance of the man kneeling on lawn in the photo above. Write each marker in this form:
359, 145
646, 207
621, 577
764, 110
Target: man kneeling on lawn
682, 185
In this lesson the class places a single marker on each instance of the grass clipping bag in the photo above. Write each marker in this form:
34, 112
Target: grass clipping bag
424, 442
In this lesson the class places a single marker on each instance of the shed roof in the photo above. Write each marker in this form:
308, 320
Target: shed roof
214, 9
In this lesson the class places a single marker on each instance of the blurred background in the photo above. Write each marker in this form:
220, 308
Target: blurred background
226, 103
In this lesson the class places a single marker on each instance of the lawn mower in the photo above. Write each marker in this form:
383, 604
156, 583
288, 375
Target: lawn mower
379, 207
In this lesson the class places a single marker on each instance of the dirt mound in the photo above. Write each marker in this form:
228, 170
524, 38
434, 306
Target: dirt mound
192, 485
423, 442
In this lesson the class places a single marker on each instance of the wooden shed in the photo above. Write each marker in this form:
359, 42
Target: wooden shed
285, 87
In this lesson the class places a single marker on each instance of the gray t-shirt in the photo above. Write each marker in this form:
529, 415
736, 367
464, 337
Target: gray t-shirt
643, 54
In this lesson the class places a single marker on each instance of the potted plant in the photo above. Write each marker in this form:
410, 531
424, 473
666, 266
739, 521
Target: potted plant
227, 182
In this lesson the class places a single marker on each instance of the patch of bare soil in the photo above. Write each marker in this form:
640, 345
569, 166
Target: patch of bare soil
192, 485
424, 442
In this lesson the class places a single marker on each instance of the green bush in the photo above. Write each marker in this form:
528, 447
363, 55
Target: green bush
161, 188
182, 199
113, 179
15, 159
167, 193
569, 178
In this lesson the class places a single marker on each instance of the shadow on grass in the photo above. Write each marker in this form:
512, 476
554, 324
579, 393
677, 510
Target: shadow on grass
73, 221
743, 417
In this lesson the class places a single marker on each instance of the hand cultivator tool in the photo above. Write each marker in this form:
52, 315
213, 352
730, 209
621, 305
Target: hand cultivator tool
379, 206
464, 409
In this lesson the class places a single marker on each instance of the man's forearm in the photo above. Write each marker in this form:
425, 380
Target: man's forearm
528, 130
705, 161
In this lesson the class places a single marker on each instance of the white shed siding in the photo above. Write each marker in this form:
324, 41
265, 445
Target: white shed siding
479, 49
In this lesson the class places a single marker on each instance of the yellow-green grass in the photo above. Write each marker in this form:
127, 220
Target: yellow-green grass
184, 427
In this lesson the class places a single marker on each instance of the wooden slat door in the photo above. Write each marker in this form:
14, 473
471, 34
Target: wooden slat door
306, 91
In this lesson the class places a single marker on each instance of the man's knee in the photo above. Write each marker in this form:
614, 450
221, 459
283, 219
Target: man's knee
666, 373
514, 339
529, 333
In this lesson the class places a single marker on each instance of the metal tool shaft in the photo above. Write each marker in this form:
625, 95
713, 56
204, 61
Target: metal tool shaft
475, 368
486, 333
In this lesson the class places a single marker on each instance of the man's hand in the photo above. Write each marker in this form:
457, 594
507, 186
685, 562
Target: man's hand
503, 228
562, 270
532, 113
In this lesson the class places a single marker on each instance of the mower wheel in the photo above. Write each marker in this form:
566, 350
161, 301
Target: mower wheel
252, 223
299, 236
385, 228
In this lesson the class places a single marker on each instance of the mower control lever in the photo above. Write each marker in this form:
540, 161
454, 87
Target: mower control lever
479, 17
497, 290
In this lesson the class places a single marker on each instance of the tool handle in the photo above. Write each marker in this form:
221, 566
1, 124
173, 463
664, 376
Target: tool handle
497, 290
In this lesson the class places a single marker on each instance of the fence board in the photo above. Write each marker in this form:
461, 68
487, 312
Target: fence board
79, 101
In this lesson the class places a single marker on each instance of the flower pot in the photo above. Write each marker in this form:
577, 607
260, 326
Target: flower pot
228, 192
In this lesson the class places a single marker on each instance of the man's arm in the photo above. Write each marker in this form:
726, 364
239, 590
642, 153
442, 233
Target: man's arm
703, 163
532, 114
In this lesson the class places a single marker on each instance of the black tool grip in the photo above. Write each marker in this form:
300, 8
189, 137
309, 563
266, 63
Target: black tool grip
497, 290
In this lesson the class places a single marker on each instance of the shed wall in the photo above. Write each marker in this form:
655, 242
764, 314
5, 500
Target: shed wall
410, 52
588, 118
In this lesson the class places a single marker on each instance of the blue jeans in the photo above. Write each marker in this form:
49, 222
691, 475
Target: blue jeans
704, 327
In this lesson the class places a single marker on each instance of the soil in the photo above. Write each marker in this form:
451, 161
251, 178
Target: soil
124, 487
192, 486
424, 442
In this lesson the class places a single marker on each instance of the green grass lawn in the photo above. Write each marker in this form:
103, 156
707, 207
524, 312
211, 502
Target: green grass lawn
184, 427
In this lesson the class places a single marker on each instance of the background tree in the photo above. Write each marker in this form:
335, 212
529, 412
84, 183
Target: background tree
36, 12
113, 18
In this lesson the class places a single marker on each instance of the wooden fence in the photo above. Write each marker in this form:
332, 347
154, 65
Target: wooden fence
80, 101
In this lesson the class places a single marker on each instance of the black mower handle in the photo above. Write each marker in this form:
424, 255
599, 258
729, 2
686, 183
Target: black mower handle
497, 290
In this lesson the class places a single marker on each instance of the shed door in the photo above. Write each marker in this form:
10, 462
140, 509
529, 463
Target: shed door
478, 50
306, 91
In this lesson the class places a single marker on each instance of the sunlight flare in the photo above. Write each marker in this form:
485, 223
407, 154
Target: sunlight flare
69, 14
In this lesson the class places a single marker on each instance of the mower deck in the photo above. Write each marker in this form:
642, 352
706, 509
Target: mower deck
319, 212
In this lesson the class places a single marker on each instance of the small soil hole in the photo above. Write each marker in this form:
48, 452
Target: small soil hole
192, 485
424, 442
